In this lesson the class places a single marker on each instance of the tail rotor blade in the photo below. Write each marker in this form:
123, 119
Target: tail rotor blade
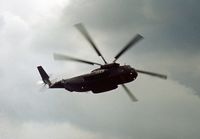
64, 57
40, 83
132, 97
162, 76
136, 39
85, 33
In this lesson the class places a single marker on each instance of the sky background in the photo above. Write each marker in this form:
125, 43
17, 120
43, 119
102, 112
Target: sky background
31, 31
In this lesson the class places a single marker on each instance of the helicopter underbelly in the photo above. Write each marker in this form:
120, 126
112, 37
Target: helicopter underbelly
97, 84
103, 88
95, 88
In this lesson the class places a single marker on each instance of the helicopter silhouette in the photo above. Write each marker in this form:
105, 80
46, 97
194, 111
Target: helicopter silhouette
105, 78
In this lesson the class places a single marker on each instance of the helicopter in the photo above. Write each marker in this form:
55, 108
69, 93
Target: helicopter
105, 78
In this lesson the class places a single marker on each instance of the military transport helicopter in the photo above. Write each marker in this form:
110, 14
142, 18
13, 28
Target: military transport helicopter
105, 78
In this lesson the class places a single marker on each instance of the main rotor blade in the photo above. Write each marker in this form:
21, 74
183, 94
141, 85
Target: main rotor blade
85, 33
136, 39
132, 97
152, 74
64, 57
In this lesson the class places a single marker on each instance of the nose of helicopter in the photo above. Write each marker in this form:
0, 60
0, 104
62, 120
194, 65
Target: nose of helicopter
133, 74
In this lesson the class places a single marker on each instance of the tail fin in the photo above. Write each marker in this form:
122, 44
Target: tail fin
44, 75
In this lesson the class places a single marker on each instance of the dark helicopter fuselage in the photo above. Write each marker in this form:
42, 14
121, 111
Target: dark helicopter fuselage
105, 78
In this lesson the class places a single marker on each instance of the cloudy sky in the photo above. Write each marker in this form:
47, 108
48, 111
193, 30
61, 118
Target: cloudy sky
32, 30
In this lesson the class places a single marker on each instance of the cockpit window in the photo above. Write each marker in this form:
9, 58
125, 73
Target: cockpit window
127, 67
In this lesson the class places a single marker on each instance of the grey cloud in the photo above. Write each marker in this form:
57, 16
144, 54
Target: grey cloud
166, 109
173, 23
115, 14
180, 20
